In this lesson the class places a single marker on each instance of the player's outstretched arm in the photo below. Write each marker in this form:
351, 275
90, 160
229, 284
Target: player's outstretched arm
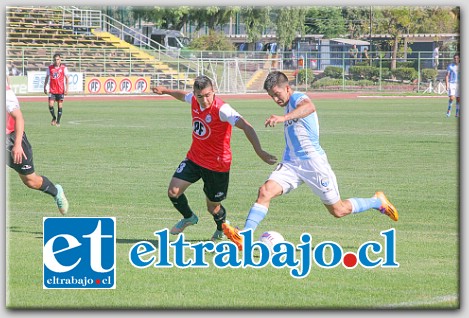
251, 135
161, 90
304, 108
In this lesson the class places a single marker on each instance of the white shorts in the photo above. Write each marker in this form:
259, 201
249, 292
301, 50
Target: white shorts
453, 89
316, 173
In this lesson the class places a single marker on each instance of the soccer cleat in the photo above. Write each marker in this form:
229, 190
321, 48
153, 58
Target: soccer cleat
53, 122
183, 223
57, 124
217, 236
61, 200
233, 234
386, 206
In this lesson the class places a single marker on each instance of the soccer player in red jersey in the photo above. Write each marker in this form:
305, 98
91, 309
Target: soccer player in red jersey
20, 153
209, 156
57, 79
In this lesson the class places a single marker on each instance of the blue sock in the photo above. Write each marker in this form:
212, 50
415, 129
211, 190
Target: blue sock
255, 216
457, 109
449, 106
361, 204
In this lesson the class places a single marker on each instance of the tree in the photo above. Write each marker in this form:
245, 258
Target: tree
289, 23
212, 42
396, 22
165, 18
356, 21
327, 21
256, 20
211, 17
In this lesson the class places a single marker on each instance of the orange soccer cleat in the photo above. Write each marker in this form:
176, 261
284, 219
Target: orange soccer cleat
387, 207
233, 234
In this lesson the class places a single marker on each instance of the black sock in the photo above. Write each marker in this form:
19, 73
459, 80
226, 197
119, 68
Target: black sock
182, 206
48, 187
59, 114
52, 112
220, 218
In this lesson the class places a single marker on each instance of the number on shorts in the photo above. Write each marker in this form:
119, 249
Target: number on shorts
181, 167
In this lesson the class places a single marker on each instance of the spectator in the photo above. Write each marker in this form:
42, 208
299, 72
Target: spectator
435, 56
353, 54
365, 56
15, 71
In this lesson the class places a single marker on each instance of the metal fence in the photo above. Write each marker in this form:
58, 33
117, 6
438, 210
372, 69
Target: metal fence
243, 72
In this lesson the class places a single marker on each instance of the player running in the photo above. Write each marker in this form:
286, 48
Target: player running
57, 79
304, 161
19, 154
209, 157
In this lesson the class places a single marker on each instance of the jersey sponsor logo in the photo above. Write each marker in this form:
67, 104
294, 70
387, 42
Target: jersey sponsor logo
79, 253
200, 129
290, 122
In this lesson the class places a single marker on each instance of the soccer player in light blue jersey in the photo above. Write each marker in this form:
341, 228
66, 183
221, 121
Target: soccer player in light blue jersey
304, 161
452, 84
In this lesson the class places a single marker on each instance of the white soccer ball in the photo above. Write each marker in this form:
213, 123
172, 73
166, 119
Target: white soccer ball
270, 238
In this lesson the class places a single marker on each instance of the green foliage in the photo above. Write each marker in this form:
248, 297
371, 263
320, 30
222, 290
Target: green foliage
333, 71
326, 81
212, 42
305, 76
428, 74
405, 74
256, 20
290, 22
318, 21
405, 64
364, 72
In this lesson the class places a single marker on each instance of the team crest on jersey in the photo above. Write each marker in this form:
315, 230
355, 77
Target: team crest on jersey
208, 119
200, 129
325, 182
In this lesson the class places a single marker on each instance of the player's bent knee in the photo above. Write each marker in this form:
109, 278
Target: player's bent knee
173, 193
264, 193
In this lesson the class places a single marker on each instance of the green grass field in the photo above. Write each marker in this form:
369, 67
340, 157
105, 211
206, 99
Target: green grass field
116, 159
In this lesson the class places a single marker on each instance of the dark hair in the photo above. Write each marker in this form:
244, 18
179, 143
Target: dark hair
275, 78
57, 55
202, 82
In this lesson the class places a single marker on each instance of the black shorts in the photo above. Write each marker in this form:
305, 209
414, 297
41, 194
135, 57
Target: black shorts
215, 183
57, 97
27, 166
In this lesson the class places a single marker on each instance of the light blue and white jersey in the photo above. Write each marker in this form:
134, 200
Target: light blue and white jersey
301, 135
453, 71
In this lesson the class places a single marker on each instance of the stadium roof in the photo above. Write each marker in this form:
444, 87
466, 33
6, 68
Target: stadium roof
351, 41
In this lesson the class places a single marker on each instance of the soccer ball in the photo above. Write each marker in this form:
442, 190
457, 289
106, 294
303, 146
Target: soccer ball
270, 238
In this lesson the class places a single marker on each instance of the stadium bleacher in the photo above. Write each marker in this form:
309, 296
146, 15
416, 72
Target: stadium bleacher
34, 35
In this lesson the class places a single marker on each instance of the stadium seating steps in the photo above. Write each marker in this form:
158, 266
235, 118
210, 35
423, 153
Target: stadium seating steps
34, 35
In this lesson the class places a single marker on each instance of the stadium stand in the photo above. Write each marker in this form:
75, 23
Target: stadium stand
34, 35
